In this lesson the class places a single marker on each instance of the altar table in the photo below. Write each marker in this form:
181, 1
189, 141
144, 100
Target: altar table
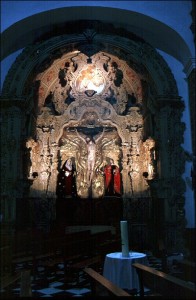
119, 270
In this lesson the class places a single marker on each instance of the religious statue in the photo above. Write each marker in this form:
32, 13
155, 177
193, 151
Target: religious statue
66, 183
91, 153
112, 179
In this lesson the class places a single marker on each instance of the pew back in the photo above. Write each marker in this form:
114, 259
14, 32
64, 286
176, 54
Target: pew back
108, 285
164, 284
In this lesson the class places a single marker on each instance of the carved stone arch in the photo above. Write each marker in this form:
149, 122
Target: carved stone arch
134, 52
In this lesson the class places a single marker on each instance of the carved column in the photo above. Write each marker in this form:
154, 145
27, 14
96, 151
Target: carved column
10, 160
125, 169
53, 175
171, 163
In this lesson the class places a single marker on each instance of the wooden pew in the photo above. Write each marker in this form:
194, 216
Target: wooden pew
7, 280
82, 263
73, 251
163, 284
189, 270
6, 259
73, 246
104, 243
25, 282
53, 249
97, 278
25, 286
49, 250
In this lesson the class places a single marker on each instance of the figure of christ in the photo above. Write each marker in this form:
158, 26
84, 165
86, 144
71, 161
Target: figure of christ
91, 145
91, 153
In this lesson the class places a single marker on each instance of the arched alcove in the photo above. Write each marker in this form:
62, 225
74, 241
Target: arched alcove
133, 102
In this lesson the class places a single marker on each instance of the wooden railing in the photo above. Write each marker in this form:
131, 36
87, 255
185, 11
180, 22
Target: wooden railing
98, 279
163, 284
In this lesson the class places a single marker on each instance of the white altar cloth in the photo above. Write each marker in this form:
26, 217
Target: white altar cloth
119, 270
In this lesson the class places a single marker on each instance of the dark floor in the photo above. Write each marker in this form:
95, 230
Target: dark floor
64, 282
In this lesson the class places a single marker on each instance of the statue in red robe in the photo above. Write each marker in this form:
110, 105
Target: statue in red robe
112, 179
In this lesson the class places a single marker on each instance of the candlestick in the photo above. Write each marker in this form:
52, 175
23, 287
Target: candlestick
124, 238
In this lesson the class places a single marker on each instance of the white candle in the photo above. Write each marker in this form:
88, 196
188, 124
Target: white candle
124, 238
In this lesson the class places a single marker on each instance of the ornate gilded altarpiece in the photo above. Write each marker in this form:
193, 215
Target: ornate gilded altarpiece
121, 93
90, 100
